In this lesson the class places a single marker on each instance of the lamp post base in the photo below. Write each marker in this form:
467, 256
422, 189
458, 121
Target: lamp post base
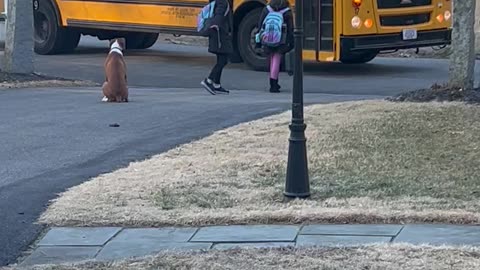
297, 184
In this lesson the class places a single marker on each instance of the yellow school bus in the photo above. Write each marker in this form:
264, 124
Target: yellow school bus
349, 31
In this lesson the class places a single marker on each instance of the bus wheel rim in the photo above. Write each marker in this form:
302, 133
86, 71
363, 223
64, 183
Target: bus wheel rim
257, 52
42, 29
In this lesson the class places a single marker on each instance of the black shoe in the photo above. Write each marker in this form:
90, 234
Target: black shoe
274, 86
208, 86
221, 90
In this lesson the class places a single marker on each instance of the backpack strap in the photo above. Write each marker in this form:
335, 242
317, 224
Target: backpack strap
227, 10
213, 6
284, 10
270, 9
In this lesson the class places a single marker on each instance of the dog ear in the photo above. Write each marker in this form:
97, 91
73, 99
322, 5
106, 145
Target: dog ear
122, 42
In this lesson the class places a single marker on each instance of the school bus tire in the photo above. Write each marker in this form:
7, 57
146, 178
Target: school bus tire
149, 40
251, 56
235, 56
49, 36
133, 41
358, 57
139, 41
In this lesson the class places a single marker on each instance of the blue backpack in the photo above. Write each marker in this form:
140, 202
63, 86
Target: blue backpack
204, 18
272, 28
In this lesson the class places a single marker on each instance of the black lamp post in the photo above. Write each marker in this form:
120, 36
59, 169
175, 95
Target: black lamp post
297, 184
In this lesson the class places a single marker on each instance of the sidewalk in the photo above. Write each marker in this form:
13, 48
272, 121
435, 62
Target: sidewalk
62, 244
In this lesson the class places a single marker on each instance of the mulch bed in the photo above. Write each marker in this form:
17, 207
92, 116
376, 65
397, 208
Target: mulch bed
440, 93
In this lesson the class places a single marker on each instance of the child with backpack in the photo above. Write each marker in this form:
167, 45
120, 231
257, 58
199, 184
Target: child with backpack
215, 21
276, 36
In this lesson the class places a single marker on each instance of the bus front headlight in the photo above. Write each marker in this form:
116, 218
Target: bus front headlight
356, 22
447, 15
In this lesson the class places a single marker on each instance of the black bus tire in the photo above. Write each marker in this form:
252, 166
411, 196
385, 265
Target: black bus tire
138, 41
246, 46
72, 39
49, 36
149, 40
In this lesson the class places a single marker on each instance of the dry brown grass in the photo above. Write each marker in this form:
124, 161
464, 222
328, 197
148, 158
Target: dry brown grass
396, 257
369, 162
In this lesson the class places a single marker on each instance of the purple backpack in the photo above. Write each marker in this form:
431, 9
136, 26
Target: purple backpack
272, 27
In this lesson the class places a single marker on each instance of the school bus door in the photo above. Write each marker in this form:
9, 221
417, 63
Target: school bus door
319, 43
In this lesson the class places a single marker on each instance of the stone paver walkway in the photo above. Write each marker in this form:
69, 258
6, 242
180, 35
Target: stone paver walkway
62, 244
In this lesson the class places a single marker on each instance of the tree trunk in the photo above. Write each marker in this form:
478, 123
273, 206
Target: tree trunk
462, 59
19, 41
477, 28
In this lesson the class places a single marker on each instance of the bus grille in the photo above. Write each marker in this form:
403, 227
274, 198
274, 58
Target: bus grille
402, 3
404, 19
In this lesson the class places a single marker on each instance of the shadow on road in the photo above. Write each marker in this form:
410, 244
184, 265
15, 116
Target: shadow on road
355, 70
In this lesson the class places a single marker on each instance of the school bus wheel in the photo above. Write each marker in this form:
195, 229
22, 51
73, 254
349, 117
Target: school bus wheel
137, 41
49, 36
149, 40
358, 57
252, 56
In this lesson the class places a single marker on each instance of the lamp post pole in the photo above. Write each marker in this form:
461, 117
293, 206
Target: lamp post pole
297, 183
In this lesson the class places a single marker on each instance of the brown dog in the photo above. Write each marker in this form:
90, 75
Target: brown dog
115, 87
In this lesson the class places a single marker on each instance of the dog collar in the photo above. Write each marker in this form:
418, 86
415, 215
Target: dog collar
116, 50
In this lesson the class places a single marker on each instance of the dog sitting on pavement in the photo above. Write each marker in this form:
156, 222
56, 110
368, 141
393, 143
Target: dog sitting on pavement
115, 87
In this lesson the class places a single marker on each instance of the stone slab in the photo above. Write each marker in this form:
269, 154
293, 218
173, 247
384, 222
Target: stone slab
56, 255
125, 250
63, 236
344, 241
353, 229
253, 245
240, 234
143, 242
167, 235
439, 235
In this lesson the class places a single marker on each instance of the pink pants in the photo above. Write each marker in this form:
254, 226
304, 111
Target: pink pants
275, 60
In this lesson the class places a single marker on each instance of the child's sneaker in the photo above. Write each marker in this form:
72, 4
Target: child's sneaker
208, 86
221, 90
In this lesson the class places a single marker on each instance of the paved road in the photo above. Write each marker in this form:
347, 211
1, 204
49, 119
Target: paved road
167, 65
54, 139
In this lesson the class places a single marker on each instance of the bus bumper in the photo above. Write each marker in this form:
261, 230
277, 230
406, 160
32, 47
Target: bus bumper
395, 41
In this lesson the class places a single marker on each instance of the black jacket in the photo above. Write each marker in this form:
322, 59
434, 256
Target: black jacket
290, 41
220, 42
